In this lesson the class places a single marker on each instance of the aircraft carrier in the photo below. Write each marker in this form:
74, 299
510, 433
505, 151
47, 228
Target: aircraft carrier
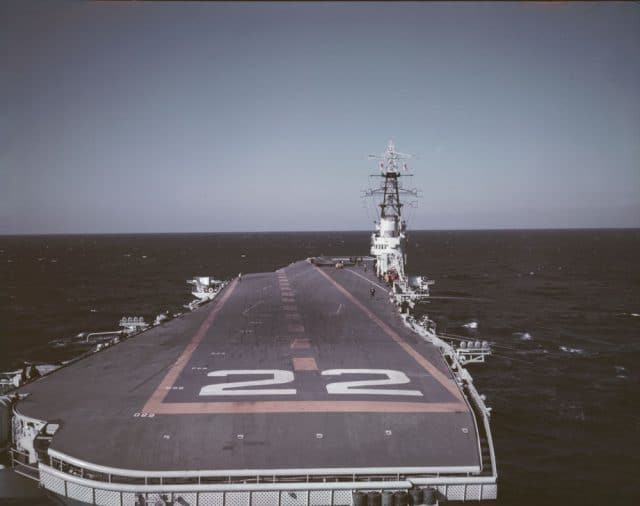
311, 385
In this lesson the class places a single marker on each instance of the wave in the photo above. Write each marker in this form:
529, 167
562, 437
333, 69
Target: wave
573, 351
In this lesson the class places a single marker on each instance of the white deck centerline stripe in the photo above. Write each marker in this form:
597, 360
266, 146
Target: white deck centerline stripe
386, 289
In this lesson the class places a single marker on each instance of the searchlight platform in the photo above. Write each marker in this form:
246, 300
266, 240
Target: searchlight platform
311, 385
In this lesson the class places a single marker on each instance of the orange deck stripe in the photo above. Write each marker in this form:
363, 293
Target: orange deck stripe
441, 378
304, 364
163, 389
300, 344
179, 408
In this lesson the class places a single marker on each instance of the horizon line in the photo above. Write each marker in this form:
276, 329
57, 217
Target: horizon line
493, 229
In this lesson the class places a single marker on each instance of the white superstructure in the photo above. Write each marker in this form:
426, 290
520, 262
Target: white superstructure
389, 240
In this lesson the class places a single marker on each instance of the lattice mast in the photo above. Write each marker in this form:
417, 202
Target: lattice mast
388, 242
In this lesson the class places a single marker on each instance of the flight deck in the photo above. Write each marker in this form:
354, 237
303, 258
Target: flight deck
301, 368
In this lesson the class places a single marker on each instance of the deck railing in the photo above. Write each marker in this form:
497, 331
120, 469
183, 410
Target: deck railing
300, 493
20, 464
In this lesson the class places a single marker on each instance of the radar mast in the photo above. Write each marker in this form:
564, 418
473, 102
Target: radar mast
388, 242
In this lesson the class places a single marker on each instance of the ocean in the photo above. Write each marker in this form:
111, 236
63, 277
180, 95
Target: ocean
560, 307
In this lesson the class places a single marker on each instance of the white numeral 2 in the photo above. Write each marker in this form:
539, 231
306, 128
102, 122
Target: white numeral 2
350, 387
279, 377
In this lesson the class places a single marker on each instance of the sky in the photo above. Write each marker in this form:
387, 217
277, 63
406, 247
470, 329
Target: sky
137, 117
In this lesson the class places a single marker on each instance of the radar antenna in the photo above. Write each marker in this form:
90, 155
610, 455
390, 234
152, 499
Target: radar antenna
388, 242
391, 188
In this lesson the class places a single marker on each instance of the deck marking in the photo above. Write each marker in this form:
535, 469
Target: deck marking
180, 408
385, 288
300, 343
441, 378
294, 327
156, 405
252, 306
288, 300
169, 380
304, 364
290, 308
292, 316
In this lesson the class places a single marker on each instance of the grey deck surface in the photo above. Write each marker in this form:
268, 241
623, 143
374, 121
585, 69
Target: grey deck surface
302, 320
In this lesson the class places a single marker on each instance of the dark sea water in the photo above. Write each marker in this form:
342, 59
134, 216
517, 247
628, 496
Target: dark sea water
562, 309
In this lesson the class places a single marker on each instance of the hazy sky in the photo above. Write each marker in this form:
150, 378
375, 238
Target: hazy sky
157, 117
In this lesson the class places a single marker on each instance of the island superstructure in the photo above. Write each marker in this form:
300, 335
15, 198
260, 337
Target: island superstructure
311, 385
389, 241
